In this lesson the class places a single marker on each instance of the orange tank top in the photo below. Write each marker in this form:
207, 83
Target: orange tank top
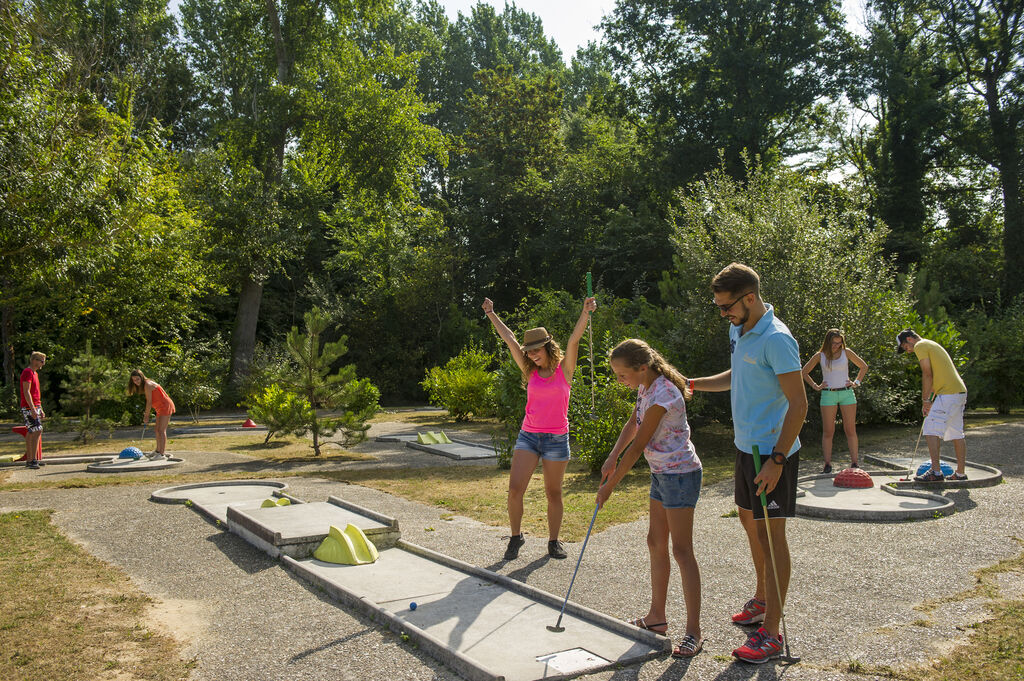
161, 401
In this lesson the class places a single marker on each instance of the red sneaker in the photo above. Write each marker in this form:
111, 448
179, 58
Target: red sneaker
752, 613
759, 648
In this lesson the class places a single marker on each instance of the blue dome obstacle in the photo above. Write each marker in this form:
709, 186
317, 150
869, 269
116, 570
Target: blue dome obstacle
947, 470
131, 453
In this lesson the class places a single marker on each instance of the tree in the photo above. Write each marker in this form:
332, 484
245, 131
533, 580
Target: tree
985, 39
906, 85
729, 75
314, 379
90, 380
300, 102
95, 242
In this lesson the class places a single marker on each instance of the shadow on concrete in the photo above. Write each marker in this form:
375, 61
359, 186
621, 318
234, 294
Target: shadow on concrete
241, 554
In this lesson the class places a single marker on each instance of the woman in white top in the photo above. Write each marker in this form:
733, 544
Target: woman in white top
836, 390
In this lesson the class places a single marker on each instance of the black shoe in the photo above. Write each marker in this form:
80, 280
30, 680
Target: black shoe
515, 542
827, 468
854, 465
930, 476
555, 549
33, 465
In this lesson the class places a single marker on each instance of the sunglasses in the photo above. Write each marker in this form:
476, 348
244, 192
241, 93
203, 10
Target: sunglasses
726, 308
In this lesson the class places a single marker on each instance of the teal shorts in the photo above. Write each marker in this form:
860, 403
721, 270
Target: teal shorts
831, 398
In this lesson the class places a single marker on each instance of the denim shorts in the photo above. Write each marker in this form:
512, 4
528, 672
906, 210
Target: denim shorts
677, 490
550, 446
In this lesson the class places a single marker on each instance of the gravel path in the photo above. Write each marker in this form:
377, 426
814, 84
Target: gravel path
853, 598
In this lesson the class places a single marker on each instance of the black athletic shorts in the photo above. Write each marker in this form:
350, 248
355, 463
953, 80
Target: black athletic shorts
781, 500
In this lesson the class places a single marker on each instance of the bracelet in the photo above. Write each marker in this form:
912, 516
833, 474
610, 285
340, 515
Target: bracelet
690, 382
856, 382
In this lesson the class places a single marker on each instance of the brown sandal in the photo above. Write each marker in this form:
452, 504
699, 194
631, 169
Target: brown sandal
688, 647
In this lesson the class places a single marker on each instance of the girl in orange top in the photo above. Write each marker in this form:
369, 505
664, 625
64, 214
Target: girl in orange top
157, 399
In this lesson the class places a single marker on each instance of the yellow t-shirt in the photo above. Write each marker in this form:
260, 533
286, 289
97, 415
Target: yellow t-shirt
945, 378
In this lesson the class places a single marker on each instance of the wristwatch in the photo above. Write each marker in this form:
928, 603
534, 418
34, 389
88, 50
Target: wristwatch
779, 458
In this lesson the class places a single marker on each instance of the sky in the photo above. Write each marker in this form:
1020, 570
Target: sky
571, 22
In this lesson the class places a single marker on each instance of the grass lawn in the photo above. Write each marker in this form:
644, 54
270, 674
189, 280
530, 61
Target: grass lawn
67, 615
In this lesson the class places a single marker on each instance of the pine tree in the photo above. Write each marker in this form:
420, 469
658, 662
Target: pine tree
349, 401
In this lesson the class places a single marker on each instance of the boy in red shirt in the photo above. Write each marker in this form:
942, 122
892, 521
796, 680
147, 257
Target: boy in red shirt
32, 407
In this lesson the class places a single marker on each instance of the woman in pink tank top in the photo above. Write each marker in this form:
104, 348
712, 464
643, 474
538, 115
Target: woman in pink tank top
544, 437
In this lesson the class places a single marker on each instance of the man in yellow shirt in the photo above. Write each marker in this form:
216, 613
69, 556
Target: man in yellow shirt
944, 416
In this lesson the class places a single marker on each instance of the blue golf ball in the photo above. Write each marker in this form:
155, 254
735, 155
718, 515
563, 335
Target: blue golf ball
412, 606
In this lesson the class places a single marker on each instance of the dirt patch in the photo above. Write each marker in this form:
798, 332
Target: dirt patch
181, 619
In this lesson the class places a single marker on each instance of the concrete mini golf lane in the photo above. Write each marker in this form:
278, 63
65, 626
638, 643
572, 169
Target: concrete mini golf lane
484, 625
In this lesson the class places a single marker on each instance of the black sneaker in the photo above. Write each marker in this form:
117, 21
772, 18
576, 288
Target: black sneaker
555, 549
515, 542
41, 463
827, 468
930, 476
33, 465
957, 476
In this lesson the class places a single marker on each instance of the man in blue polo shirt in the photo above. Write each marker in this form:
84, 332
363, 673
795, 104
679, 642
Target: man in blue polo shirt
768, 409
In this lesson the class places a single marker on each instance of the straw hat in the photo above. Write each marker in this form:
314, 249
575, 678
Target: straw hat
535, 338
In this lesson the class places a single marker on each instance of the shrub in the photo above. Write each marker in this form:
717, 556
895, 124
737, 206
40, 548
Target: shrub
594, 431
821, 266
994, 374
463, 385
509, 406
281, 411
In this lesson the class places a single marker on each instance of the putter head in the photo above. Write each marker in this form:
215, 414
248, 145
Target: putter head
789, 659
555, 628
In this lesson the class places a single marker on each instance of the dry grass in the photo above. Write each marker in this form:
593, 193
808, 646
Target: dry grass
67, 615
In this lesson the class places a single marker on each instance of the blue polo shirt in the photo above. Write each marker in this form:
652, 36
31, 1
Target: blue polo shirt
758, 404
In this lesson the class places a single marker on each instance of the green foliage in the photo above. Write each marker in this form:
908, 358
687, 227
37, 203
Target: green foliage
595, 430
313, 378
994, 373
195, 373
820, 266
281, 411
463, 385
510, 407
90, 378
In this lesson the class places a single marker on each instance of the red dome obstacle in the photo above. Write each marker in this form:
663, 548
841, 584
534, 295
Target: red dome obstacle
249, 423
853, 477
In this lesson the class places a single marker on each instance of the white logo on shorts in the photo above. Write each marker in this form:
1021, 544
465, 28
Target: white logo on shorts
773, 506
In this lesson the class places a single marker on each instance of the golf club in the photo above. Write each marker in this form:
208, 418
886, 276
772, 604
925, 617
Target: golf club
590, 330
910, 469
557, 628
788, 657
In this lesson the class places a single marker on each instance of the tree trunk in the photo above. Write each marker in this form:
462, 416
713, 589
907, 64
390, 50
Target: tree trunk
243, 340
1008, 159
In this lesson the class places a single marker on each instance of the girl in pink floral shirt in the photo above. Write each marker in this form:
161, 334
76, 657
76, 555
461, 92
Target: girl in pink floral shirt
658, 429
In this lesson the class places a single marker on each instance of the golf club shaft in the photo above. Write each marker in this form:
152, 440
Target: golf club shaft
590, 331
578, 560
771, 551
919, 434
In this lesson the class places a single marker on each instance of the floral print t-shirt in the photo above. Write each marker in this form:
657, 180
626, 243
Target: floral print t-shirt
670, 449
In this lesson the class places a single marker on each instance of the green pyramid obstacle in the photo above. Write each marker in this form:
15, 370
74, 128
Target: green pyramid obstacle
433, 438
350, 547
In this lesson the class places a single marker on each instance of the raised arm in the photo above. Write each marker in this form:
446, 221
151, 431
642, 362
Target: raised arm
806, 371
713, 384
862, 367
572, 348
506, 335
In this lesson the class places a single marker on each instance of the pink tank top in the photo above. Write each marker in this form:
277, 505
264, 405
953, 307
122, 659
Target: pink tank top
547, 403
